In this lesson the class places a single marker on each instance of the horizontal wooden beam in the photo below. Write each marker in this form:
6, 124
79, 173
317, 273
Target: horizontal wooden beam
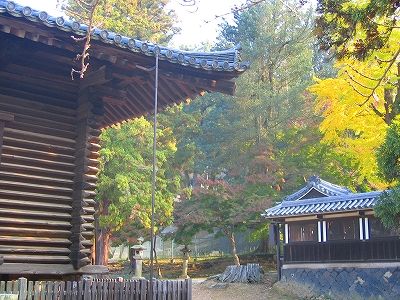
50, 269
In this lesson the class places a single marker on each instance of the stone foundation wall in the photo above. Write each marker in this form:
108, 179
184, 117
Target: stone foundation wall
348, 282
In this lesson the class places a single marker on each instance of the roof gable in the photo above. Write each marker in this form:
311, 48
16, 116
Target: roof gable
315, 188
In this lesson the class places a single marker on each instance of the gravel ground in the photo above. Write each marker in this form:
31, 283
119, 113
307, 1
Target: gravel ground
208, 290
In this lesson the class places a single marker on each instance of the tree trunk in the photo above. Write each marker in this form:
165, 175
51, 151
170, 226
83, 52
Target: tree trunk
263, 246
104, 246
231, 237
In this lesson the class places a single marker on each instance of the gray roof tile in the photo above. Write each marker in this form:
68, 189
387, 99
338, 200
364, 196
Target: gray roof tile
344, 202
226, 61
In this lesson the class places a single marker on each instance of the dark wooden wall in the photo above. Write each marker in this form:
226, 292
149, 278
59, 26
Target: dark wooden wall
48, 163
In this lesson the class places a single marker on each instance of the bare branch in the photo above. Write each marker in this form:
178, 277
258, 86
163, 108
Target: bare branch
377, 112
73, 13
361, 74
356, 90
237, 9
84, 55
188, 2
391, 62
249, 4
357, 82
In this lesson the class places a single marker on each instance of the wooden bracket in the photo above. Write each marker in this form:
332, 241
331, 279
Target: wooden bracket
96, 78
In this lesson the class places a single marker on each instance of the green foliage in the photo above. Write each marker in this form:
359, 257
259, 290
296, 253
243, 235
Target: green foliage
260, 232
144, 19
216, 204
124, 187
355, 28
265, 141
388, 153
235, 132
388, 208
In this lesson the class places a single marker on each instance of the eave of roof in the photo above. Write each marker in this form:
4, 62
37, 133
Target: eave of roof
222, 61
340, 203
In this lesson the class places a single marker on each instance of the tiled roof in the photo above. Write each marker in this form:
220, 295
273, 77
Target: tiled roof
346, 202
322, 186
227, 61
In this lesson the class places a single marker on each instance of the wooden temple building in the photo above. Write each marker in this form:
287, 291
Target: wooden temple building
50, 126
327, 228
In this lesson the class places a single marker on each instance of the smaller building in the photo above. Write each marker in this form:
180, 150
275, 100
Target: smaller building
330, 240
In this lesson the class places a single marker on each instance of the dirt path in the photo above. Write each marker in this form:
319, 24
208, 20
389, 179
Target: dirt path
206, 290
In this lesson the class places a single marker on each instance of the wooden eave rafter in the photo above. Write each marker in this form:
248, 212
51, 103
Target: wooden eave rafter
113, 68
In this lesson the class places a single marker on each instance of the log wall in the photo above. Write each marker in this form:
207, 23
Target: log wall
48, 167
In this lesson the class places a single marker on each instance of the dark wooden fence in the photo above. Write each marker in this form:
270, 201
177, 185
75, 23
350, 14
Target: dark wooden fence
387, 249
97, 290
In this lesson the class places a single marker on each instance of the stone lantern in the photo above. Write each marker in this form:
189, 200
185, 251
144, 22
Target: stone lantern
136, 257
185, 252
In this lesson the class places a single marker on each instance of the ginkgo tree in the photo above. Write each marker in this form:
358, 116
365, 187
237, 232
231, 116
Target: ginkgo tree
363, 99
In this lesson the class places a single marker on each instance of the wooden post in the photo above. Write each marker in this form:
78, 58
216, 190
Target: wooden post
23, 288
87, 131
189, 288
278, 250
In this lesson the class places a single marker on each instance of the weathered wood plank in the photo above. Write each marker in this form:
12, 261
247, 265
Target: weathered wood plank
137, 289
87, 285
34, 213
143, 289
62, 290
37, 287
2, 286
68, 290
51, 181
105, 289
49, 290
40, 205
31, 291
35, 144
35, 195
43, 290
23, 258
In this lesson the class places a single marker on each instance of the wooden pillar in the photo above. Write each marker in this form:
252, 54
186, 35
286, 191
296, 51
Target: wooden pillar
4, 117
89, 114
361, 228
319, 231
366, 228
278, 250
286, 234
